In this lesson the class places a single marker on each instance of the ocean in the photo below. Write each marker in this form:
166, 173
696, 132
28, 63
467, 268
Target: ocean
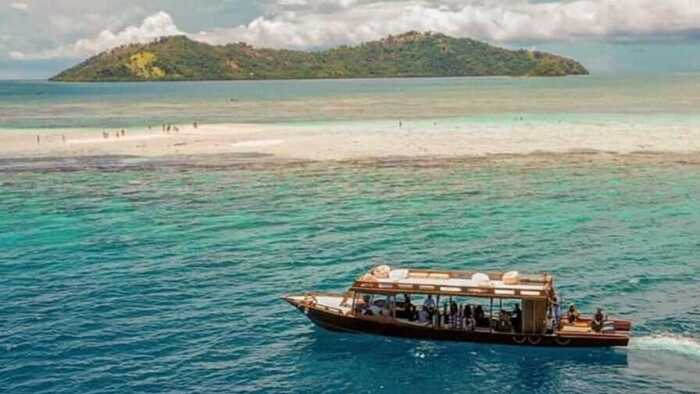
606, 98
123, 277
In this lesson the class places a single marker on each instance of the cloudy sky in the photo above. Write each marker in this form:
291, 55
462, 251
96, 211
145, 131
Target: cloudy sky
40, 37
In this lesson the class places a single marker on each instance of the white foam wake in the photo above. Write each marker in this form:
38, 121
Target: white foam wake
686, 346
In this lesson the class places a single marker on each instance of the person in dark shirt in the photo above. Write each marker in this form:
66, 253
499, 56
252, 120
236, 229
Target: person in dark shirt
517, 318
573, 314
598, 320
480, 316
454, 310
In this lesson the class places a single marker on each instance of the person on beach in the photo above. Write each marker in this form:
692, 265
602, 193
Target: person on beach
38, 140
194, 125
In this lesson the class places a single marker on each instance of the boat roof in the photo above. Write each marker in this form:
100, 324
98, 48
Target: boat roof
511, 285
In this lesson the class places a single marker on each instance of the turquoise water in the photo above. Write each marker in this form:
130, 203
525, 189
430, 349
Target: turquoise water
163, 275
636, 99
120, 277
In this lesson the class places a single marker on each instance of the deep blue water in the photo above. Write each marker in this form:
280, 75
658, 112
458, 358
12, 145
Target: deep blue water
168, 279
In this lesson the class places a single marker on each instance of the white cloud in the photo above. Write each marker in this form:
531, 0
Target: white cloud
16, 55
155, 26
323, 23
20, 6
329, 22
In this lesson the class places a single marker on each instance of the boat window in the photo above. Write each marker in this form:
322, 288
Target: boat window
374, 305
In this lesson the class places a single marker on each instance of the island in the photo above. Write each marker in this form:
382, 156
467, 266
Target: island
412, 54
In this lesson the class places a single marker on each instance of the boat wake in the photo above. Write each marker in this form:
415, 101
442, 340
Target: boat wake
689, 347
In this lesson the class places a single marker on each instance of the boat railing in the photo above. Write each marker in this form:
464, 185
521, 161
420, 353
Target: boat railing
523, 278
311, 301
477, 291
330, 309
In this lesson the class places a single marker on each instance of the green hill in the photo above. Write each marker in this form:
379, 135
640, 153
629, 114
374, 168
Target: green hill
411, 54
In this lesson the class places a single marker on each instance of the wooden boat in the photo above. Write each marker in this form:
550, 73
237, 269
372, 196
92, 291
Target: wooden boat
383, 302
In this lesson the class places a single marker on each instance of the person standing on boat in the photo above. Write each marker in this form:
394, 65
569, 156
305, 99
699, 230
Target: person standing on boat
517, 318
556, 313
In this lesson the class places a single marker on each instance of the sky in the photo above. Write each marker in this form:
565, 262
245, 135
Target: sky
38, 38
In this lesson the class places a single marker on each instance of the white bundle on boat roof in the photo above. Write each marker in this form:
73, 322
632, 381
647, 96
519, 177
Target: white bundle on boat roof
381, 272
511, 278
480, 279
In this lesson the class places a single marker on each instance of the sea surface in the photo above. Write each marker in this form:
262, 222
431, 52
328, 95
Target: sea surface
606, 98
120, 275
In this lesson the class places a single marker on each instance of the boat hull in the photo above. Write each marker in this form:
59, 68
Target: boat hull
333, 321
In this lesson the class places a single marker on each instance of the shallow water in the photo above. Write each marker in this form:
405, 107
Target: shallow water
608, 98
168, 279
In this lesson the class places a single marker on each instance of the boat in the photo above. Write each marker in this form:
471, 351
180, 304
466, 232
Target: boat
459, 306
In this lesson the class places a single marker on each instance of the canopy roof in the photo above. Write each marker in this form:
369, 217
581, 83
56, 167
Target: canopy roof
456, 283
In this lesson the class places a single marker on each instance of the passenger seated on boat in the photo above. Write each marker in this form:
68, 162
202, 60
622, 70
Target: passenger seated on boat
423, 315
460, 316
407, 301
381, 307
429, 303
598, 321
454, 311
412, 313
405, 310
362, 305
573, 314
504, 320
480, 317
516, 320
469, 322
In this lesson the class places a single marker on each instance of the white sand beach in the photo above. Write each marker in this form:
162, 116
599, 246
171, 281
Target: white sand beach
360, 140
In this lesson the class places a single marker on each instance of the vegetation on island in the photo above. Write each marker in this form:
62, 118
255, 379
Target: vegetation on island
413, 54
